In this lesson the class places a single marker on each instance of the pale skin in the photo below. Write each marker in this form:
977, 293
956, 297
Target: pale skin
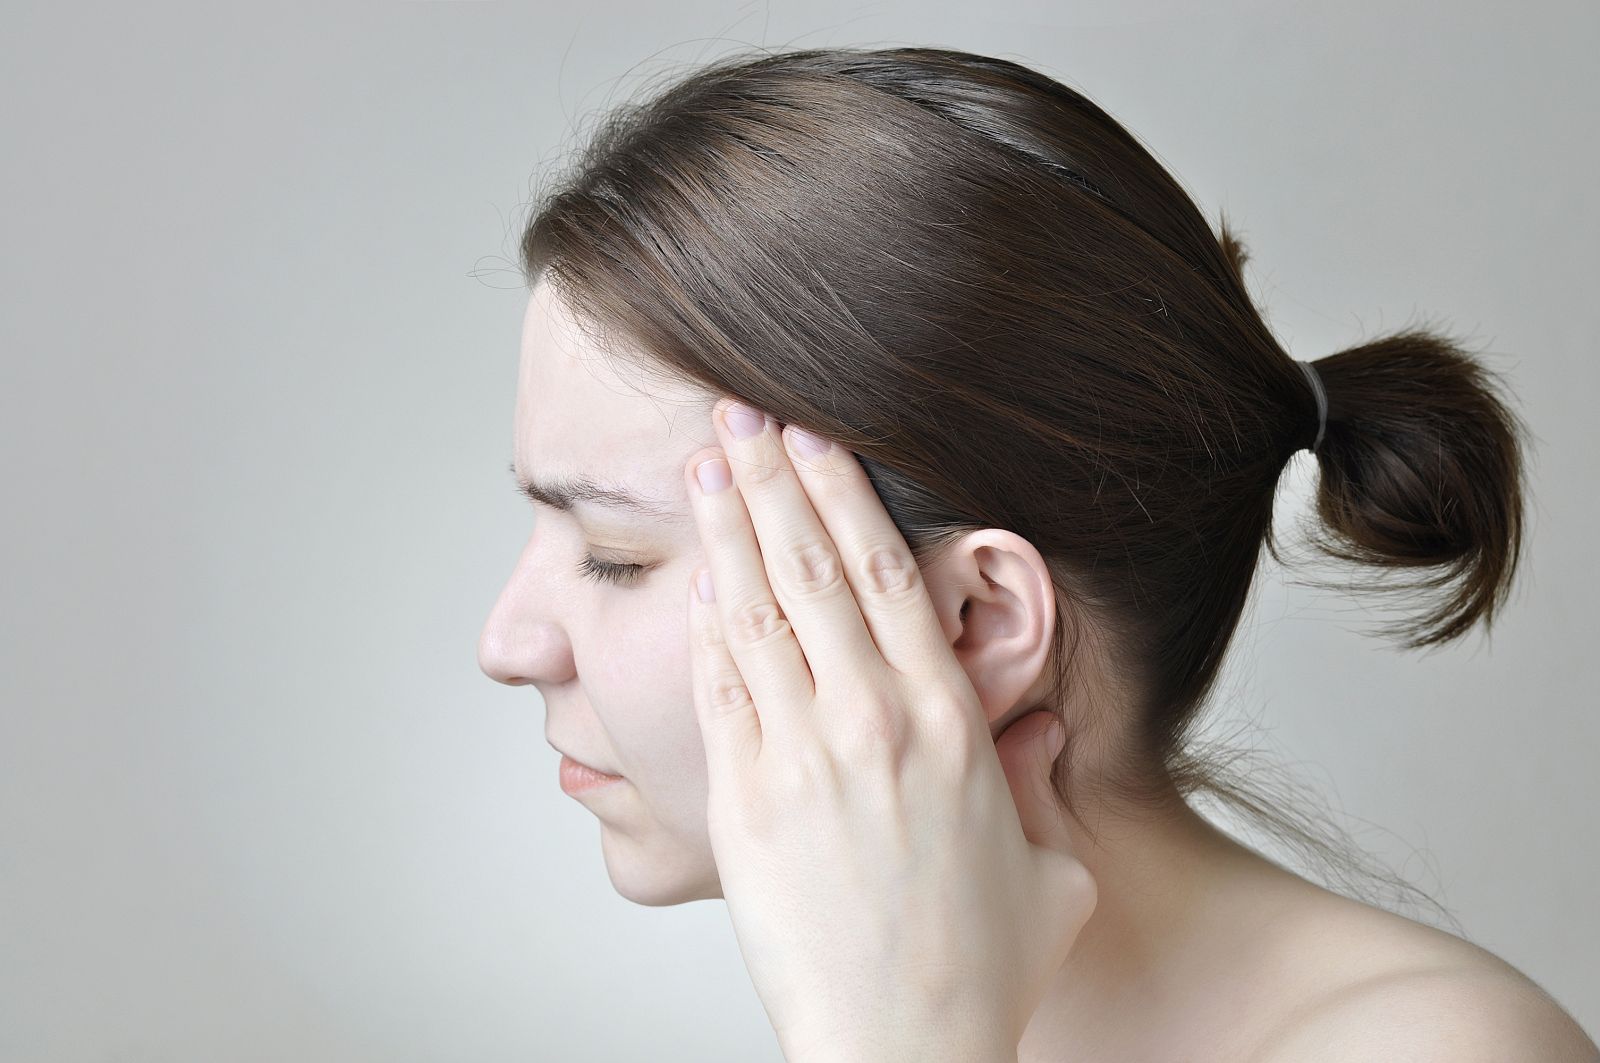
1197, 947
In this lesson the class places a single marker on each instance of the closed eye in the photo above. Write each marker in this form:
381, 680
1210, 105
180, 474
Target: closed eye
593, 568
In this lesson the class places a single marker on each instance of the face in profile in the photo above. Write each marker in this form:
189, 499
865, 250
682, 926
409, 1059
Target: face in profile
594, 613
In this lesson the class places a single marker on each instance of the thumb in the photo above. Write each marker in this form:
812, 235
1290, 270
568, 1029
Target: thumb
1028, 749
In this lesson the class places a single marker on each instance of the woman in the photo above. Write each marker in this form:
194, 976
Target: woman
1027, 343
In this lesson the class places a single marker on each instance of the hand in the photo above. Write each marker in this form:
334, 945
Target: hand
898, 880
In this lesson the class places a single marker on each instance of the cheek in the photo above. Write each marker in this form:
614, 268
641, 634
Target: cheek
641, 680
641, 639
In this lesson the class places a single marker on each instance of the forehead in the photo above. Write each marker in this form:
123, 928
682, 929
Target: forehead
582, 411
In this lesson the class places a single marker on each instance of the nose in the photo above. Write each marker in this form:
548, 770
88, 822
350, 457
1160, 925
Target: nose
523, 641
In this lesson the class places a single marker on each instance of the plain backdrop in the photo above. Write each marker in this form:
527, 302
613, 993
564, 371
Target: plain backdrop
260, 336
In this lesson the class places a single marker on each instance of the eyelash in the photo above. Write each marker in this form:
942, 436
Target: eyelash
611, 572
592, 568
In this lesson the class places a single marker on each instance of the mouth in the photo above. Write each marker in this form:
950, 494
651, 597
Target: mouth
577, 777
574, 759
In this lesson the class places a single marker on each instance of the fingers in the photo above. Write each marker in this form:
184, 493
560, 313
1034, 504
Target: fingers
756, 631
814, 582
784, 596
804, 570
729, 723
888, 587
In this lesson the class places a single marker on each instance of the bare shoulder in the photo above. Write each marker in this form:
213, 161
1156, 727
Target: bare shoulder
1346, 982
1468, 1011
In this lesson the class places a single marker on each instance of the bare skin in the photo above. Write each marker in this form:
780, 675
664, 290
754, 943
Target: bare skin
1203, 950
1199, 949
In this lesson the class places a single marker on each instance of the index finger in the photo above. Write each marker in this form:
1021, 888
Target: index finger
888, 585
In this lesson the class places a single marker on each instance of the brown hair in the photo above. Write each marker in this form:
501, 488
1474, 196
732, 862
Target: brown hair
984, 286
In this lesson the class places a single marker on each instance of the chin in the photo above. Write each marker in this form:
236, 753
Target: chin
657, 879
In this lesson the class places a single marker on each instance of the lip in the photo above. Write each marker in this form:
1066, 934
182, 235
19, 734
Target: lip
577, 777
575, 760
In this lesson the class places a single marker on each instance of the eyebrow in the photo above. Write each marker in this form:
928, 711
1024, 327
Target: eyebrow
564, 492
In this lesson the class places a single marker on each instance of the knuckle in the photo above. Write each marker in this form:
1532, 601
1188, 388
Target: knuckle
949, 731
752, 623
710, 634
799, 782
814, 569
949, 711
890, 572
727, 694
943, 728
872, 730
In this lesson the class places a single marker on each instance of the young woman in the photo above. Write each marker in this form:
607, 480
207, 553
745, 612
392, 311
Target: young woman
1046, 428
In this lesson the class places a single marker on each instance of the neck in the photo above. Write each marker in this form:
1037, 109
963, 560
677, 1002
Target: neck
1164, 881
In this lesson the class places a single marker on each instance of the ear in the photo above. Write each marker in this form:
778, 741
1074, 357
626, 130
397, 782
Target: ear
996, 602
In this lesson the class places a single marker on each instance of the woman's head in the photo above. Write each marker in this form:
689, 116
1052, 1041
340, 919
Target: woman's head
593, 614
975, 279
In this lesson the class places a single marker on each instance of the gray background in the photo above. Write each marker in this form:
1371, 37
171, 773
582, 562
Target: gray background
256, 800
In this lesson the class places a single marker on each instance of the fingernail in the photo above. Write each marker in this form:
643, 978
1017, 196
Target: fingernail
744, 421
805, 444
713, 474
702, 586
